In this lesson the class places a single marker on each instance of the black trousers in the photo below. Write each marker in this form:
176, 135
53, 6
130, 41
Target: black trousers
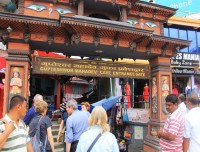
73, 146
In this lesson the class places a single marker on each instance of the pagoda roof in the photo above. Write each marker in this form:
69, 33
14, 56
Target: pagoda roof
119, 35
18, 18
154, 8
104, 24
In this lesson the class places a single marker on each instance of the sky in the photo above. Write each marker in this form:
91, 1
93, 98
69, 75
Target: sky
185, 7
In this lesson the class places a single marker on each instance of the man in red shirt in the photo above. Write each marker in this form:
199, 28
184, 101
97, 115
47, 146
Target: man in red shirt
171, 136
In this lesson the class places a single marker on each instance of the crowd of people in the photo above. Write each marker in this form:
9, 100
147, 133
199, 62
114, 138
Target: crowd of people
181, 131
85, 132
82, 130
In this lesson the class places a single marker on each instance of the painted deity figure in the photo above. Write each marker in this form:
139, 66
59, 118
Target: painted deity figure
165, 92
15, 83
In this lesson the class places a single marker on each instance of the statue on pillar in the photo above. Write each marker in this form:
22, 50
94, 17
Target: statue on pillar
15, 82
165, 92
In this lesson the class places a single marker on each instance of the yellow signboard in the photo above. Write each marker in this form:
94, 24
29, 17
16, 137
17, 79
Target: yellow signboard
57, 66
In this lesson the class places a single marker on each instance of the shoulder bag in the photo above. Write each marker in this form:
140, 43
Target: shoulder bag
37, 145
94, 142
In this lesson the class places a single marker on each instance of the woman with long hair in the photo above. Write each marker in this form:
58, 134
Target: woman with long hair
98, 126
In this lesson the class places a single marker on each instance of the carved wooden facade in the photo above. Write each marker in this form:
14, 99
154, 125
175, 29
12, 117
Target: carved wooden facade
118, 28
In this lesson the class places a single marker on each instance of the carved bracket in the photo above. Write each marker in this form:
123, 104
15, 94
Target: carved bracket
27, 35
154, 14
148, 46
50, 37
96, 41
163, 49
67, 40
129, 5
177, 48
97, 37
140, 11
55, 1
75, 39
133, 46
113, 2
116, 41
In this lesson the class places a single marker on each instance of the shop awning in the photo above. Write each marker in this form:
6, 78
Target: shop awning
48, 54
107, 103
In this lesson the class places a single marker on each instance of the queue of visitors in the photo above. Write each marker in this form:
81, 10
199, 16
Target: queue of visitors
85, 132
181, 132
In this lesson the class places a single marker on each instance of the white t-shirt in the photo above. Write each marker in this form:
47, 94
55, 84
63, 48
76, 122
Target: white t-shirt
106, 143
183, 108
192, 129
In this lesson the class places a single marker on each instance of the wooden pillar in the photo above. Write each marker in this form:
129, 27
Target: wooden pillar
161, 86
17, 72
124, 14
58, 94
81, 7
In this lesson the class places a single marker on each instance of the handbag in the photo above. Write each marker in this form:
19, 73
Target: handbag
94, 142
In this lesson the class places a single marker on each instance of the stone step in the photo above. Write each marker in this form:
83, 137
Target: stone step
58, 145
54, 131
59, 150
55, 126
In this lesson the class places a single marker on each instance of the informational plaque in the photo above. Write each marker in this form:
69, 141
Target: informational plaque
138, 115
138, 132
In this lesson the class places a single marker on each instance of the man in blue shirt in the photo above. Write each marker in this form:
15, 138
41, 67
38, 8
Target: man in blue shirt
77, 123
31, 112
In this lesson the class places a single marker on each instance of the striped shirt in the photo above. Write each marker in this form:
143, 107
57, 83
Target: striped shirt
61, 109
174, 125
17, 140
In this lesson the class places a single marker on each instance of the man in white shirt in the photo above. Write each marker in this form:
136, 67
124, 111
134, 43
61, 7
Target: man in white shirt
182, 104
192, 125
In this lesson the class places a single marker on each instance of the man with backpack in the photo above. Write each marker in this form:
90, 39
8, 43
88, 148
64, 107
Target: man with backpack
13, 134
